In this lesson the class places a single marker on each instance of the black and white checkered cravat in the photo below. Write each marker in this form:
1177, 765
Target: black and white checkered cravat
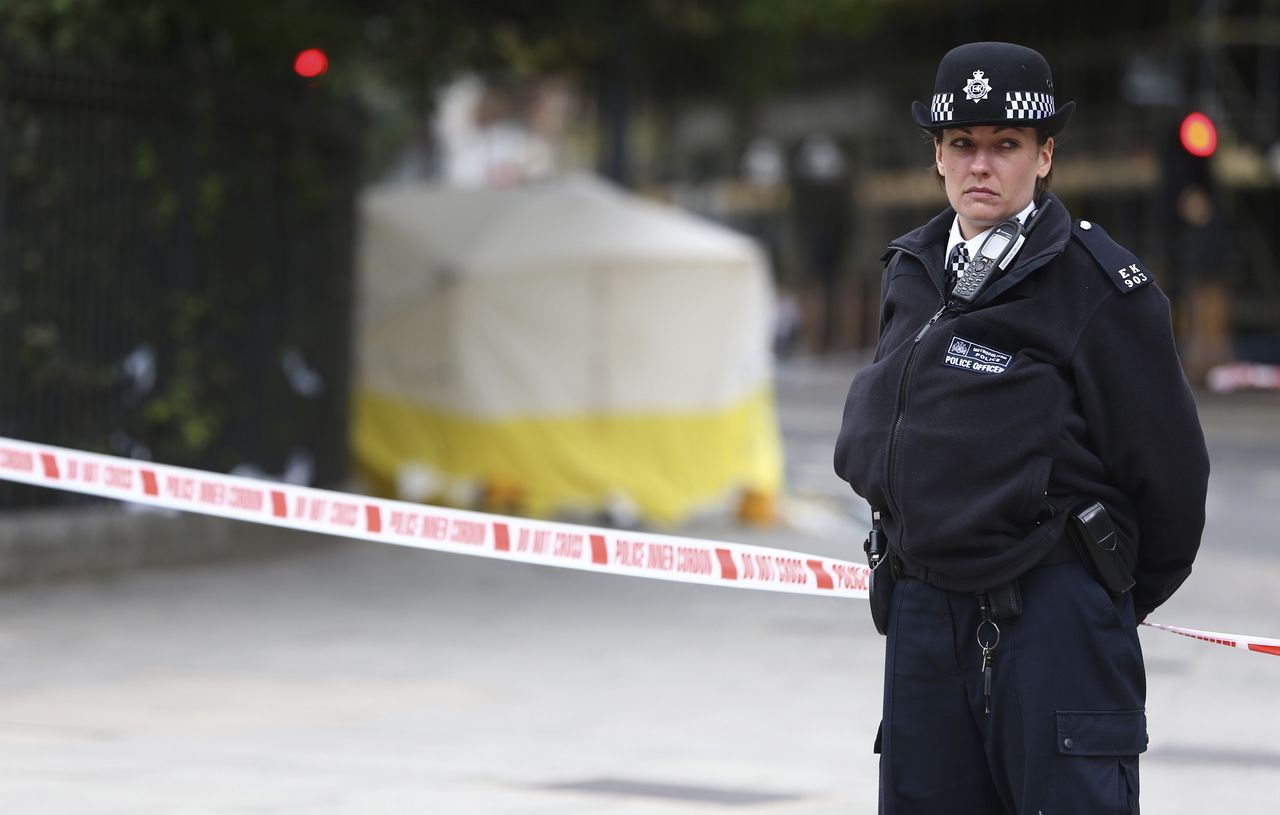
956, 264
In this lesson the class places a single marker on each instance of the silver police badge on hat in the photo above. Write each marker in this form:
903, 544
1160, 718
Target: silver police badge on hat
977, 87
1013, 74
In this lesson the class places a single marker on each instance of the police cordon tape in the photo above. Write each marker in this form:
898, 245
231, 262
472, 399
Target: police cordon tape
441, 529
637, 554
1263, 645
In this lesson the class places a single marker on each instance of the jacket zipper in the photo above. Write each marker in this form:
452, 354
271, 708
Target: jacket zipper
900, 413
904, 384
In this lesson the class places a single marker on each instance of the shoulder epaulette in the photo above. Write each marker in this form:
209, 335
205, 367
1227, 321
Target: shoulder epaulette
1125, 270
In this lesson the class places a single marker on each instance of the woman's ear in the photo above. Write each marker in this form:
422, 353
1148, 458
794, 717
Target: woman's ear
1045, 159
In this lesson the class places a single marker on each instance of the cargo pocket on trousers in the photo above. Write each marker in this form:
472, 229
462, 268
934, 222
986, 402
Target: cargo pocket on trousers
1097, 766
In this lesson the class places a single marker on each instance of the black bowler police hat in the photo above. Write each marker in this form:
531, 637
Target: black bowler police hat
993, 83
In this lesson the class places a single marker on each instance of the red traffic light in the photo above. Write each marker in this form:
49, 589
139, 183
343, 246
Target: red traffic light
1199, 136
310, 63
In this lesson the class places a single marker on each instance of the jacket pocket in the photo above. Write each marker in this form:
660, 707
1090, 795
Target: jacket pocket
1097, 766
1037, 485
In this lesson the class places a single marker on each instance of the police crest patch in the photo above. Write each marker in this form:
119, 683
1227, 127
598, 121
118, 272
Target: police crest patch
977, 87
968, 355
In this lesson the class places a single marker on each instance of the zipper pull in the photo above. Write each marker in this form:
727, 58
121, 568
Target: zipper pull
932, 320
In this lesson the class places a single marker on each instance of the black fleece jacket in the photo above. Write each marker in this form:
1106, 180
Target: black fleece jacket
978, 429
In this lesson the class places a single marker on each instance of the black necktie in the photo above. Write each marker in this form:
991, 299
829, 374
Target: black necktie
956, 264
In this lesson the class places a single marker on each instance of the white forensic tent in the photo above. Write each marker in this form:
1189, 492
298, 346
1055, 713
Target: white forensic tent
563, 348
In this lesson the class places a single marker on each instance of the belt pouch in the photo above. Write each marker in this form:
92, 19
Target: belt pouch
1097, 541
1005, 600
882, 578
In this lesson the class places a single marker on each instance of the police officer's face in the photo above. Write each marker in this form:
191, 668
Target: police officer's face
990, 172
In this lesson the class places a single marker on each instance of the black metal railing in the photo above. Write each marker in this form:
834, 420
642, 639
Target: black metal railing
175, 270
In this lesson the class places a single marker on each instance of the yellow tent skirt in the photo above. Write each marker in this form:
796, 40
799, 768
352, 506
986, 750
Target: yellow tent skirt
663, 466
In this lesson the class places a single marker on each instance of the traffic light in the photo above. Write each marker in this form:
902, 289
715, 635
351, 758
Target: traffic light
1187, 154
1198, 135
310, 63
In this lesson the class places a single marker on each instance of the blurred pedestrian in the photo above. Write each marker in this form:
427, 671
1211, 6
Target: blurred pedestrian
822, 198
1031, 452
1202, 253
764, 177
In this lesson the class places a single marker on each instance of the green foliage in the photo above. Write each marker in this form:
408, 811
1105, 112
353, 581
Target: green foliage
245, 33
833, 17
667, 45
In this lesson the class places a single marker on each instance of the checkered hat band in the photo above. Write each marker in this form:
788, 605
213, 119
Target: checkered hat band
944, 107
1025, 105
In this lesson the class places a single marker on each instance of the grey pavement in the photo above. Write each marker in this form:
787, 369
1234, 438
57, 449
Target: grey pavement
348, 677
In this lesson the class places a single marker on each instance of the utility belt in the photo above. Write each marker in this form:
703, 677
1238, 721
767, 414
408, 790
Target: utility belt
1091, 538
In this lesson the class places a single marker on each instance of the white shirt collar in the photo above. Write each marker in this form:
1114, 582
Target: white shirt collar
973, 243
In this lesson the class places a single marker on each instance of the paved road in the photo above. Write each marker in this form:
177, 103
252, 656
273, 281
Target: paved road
356, 678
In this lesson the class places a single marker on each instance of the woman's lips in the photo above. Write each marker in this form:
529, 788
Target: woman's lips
980, 192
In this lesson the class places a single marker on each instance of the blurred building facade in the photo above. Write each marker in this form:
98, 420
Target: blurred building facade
1135, 72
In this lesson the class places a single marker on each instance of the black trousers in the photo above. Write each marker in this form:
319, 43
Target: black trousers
1067, 718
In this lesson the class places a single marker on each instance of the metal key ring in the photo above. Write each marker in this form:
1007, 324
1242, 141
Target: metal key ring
978, 635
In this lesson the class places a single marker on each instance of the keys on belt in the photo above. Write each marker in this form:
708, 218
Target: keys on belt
988, 636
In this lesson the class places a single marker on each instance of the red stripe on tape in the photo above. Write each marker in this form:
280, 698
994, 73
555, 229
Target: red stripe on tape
1215, 640
1262, 645
149, 485
501, 540
824, 579
599, 552
279, 507
50, 466
374, 516
728, 571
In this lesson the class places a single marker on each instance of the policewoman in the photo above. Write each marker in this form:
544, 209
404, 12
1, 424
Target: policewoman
1032, 455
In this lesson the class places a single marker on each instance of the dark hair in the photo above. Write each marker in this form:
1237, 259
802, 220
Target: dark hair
1042, 184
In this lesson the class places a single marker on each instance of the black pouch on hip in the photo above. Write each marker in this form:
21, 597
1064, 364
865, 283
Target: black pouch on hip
1097, 541
880, 581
